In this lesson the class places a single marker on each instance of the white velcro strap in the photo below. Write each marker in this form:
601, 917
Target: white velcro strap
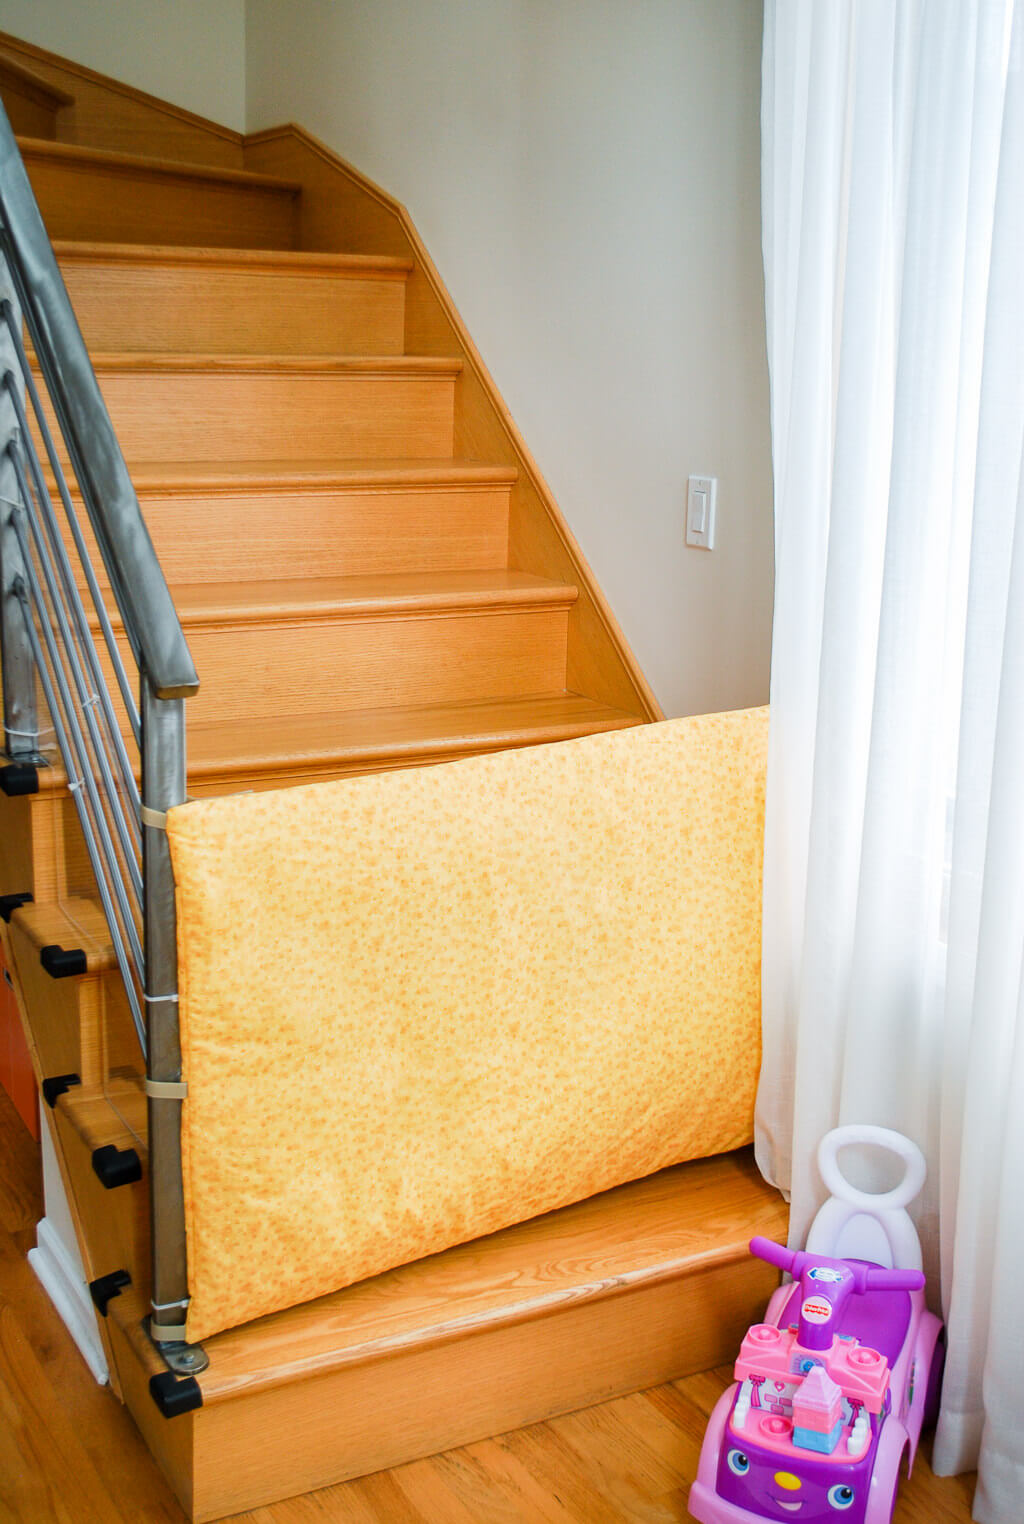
155, 818
167, 1090
167, 1333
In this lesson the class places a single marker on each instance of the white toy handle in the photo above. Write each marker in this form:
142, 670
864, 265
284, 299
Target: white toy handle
881, 1137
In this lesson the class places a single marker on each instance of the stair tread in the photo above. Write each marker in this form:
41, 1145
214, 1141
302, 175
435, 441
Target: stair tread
239, 475
297, 742
685, 1220
114, 1114
297, 262
161, 361
113, 159
69, 923
214, 603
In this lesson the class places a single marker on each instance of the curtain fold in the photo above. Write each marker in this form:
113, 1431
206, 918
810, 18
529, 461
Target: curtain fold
893, 185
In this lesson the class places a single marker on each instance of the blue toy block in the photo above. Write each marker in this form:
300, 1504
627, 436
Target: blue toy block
811, 1439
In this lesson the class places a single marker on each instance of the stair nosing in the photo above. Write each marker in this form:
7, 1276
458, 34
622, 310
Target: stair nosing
260, 476
99, 954
426, 367
335, 606
269, 261
117, 162
451, 747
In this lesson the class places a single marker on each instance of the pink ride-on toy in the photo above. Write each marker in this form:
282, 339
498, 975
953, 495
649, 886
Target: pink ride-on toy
838, 1381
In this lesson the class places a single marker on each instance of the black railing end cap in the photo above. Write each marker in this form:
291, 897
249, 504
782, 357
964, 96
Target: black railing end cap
104, 1289
54, 1087
9, 903
116, 1166
174, 1395
63, 962
19, 778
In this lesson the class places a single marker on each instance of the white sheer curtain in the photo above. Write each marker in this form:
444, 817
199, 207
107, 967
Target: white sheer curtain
893, 187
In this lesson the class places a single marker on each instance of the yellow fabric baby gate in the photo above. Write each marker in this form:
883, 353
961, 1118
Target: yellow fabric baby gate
421, 1005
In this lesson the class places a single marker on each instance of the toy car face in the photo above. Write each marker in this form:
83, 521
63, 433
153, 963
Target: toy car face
803, 1491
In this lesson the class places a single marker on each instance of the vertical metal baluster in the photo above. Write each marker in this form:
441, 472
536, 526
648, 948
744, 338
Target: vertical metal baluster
21, 719
127, 697
126, 955
123, 823
78, 753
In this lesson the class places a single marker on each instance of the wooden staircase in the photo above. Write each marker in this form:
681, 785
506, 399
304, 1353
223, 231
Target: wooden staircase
371, 574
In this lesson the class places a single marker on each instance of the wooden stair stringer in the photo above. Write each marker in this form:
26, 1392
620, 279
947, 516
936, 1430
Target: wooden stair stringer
646, 1283
342, 208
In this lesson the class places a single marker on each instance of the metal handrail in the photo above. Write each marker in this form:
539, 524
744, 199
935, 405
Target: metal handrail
136, 579
46, 639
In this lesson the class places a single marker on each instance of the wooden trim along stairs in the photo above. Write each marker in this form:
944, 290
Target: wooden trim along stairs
372, 574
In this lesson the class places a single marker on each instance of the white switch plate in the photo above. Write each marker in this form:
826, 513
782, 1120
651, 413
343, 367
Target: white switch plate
701, 493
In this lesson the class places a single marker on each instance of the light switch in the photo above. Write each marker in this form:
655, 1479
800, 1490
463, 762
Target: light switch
700, 511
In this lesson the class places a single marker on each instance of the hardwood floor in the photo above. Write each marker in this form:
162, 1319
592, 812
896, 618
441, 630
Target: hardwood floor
70, 1453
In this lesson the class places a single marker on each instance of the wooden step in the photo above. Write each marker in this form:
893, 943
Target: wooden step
279, 750
112, 1224
245, 301
363, 642
94, 193
256, 520
272, 407
641, 1284
80, 1024
31, 102
31, 830
74, 923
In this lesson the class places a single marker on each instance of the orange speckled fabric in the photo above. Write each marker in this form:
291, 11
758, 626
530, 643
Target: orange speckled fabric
421, 1005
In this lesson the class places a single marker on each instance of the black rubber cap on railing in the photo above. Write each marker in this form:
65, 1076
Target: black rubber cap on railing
18, 778
173, 1396
63, 962
116, 1166
54, 1087
9, 903
104, 1289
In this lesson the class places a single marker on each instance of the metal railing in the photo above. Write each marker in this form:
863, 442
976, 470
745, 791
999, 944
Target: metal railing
57, 639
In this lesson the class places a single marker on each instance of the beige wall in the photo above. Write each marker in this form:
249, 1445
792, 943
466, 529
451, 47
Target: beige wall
191, 52
586, 176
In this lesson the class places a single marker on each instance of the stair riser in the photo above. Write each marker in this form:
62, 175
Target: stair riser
201, 415
81, 1025
30, 846
115, 1222
214, 311
339, 533
42, 849
94, 201
304, 667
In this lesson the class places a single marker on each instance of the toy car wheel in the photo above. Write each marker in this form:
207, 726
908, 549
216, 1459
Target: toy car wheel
934, 1391
885, 1475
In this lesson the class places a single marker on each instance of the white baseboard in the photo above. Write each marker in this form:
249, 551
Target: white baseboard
70, 1295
